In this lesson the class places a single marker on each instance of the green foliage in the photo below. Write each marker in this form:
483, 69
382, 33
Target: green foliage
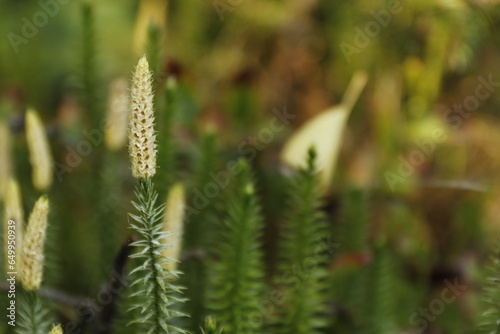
198, 236
305, 231
153, 50
211, 327
33, 315
108, 222
232, 66
489, 323
91, 97
159, 293
200, 229
382, 289
352, 230
350, 285
167, 148
238, 286
52, 261
129, 298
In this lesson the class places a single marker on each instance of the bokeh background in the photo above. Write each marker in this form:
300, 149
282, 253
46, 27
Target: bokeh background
420, 208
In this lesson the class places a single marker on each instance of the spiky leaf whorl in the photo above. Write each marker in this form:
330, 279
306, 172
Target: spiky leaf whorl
157, 294
34, 317
238, 286
488, 322
306, 229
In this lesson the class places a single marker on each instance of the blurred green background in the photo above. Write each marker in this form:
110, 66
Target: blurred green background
236, 61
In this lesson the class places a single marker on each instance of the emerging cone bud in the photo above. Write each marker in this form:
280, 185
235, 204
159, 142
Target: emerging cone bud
39, 151
174, 225
115, 136
33, 244
56, 330
142, 146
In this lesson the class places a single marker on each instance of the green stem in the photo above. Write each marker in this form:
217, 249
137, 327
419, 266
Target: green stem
152, 265
33, 316
156, 294
146, 188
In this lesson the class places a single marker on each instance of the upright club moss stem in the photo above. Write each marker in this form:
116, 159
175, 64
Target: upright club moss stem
156, 296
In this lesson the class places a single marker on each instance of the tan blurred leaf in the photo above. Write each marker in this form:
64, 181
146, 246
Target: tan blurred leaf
324, 132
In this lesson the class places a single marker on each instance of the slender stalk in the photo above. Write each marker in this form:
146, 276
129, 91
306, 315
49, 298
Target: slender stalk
306, 229
238, 286
167, 149
89, 78
199, 235
489, 321
33, 315
157, 294
158, 291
